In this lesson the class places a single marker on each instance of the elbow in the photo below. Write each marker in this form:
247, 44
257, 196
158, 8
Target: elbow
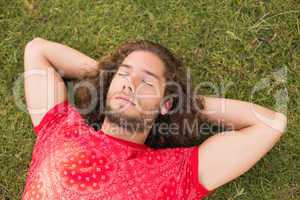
33, 50
281, 122
283, 117
36, 40
34, 44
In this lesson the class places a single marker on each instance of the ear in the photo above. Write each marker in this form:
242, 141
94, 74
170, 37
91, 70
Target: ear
166, 107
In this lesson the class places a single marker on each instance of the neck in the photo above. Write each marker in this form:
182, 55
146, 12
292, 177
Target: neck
122, 133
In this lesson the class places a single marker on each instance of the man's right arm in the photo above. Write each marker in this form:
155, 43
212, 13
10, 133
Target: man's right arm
45, 64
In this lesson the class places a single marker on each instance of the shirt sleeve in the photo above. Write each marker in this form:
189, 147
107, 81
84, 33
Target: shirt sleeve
202, 190
187, 169
182, 173
57, 116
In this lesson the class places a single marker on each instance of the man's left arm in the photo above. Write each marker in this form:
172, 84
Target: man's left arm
227, 155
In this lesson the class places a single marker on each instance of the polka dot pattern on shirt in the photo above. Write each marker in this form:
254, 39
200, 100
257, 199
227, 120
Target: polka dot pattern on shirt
86, 170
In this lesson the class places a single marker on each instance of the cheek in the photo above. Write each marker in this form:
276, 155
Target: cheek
111, 91
114, 86
148, 92
149, 98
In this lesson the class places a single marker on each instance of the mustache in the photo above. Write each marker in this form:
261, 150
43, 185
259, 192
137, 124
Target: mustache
147, 111
130, 97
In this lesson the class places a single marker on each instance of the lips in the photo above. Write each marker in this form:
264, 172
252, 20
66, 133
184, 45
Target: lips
124, 98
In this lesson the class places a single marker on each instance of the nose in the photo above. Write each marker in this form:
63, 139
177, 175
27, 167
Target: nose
131, 83
125, 87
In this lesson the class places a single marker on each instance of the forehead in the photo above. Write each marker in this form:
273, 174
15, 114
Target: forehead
144, 60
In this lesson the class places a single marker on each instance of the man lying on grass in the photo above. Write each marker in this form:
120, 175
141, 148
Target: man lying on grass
144, 147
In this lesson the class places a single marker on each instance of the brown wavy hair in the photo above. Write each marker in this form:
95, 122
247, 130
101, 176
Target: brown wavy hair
183, 111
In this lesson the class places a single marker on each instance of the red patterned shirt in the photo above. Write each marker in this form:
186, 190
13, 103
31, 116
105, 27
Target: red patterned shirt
72, 161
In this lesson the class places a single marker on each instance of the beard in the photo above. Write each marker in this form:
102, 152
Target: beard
130, 123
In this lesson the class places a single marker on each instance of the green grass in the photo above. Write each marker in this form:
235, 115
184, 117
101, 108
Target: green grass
239, 42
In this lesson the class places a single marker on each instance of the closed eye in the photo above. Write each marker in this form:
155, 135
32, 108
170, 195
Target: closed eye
123, 74
148, 83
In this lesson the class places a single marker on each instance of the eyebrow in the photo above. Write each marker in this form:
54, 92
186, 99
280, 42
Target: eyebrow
144, 70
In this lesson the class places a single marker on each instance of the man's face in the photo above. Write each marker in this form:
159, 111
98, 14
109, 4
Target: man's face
137, 88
